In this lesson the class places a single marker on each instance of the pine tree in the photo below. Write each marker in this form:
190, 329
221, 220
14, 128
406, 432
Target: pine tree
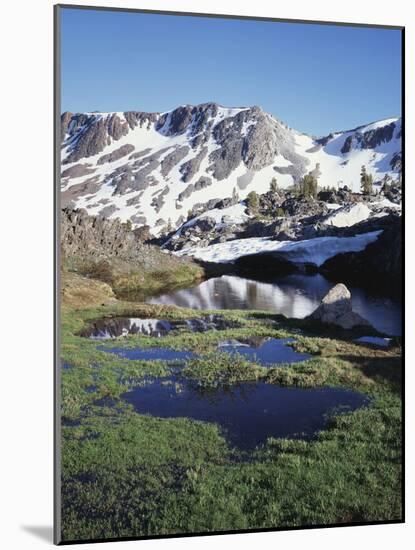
252, 201
308, 186
129, 225
366, 181
273, 186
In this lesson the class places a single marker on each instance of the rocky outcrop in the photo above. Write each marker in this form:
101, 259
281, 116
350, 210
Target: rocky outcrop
336, 309
379, 266
78, 170
191, 167
89, 134
369, 139
110, 251
88, 187
122, 151
173, 158
82, 234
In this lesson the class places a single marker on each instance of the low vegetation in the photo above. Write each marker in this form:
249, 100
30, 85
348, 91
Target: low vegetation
126, 474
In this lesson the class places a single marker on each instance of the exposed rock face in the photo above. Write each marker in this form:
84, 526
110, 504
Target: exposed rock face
173, 158
65, 120
214, 151
108, 250
82, 234
77, 171
369, 139
336, 309
191, 167
89, 134
122, 151
88, 187
379, 265
98, 240
293, 206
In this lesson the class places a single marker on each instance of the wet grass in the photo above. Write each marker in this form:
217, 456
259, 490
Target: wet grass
126, 474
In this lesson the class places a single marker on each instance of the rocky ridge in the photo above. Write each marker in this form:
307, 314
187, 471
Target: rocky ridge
155, 168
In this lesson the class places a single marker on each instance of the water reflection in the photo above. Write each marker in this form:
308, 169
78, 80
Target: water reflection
269, 351
114, 327
248, 413
294, 296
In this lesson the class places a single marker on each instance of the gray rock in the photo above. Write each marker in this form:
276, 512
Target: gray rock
139, 154
122, 151
107, 211
173, 158
78, 170
202, 182
191, 167
204, 224
137, 118
88, 187
134, 200
369, 139
92, 134
336, 309
65, 120
186, 193
158, 201
139, 220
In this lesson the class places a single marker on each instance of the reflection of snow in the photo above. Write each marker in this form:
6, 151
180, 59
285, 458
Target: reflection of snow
293, 296
315, 251
231, 292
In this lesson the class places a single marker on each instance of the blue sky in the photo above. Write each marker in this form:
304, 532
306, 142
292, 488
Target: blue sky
316, 78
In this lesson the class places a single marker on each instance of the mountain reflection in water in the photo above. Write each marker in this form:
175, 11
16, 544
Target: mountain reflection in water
294, 296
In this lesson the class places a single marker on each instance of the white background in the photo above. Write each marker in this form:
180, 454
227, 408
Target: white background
26, 290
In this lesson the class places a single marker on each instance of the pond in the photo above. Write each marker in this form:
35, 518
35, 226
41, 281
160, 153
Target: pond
265, 352
114, 327
247, 413
294, 296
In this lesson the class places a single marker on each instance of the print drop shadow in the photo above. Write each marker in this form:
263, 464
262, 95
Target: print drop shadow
43, 532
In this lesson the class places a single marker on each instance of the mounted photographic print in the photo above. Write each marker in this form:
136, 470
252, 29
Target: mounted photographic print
229, 281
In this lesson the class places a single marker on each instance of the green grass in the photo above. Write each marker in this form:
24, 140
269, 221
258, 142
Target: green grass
126, 474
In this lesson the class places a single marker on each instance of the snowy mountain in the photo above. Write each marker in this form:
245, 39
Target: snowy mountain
153, 168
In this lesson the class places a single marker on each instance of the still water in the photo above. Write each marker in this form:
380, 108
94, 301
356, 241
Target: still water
247, 413
293, 296
270, 351
266, 352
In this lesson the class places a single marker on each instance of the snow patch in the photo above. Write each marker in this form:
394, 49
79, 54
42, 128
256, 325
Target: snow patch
348, 215
315, 251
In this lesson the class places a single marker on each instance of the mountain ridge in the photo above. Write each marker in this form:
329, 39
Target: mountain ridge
155, 168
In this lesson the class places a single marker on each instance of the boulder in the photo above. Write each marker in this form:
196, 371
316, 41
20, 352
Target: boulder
336, 309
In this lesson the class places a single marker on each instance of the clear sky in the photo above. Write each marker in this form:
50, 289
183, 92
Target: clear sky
316, 78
